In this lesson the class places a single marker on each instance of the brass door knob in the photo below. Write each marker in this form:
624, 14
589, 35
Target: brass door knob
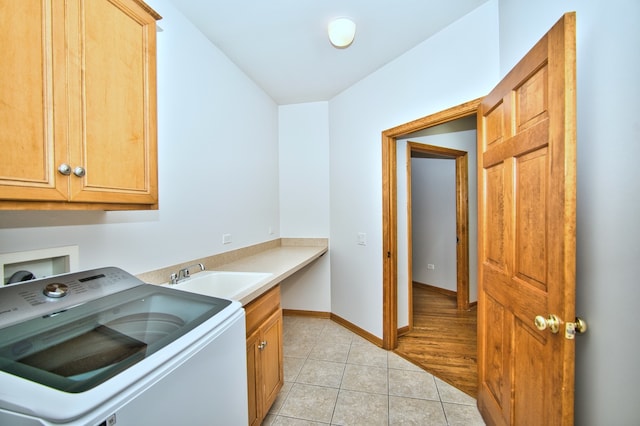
552, 323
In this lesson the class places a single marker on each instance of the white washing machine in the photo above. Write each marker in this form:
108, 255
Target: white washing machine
101, 347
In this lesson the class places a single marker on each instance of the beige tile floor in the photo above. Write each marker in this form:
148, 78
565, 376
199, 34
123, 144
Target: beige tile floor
333, 376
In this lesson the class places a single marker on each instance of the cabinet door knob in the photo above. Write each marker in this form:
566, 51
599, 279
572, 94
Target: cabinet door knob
262, 345
79, 171
64, 169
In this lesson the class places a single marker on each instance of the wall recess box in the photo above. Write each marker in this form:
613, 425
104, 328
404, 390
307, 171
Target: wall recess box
42, 263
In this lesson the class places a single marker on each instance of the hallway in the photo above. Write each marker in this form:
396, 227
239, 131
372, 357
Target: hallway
443, 340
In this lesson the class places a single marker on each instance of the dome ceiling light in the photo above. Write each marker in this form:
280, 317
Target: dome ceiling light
341, 32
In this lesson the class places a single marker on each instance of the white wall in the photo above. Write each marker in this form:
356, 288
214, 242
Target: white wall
218, 168
454, 66
433, 222
608, 66
304, 198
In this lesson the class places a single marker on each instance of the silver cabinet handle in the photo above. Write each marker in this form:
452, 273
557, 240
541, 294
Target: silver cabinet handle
64, 169
262, 345
79, 171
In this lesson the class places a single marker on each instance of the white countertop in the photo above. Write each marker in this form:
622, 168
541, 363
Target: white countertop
281, 258
282, 262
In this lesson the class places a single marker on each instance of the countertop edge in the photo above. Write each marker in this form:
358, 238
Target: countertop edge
254, 293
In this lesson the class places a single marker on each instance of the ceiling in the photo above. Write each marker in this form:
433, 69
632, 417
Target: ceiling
283, 44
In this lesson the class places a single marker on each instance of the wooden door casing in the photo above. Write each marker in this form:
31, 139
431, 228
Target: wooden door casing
526, 242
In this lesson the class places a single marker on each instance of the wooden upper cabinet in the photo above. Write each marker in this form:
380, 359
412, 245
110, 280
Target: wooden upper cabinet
78, 89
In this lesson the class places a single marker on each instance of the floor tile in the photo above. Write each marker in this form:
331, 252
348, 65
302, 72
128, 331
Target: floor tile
449, 393
399, 363
335, 377
410, 411
413, 384
360, 408
365, 378
308, 402
297, 348
462, 415
282, 396
292, 367
336, 352
321, 373
290, 421
367, 354
334, 333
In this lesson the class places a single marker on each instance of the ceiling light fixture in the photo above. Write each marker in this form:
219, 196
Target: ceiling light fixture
341, 32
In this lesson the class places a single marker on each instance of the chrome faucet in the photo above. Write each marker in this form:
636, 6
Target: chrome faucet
184, 273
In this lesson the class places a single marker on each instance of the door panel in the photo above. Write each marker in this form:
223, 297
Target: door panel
526, 175
30, 126
113, 48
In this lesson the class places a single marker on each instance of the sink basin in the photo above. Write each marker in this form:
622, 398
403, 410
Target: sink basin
223, 284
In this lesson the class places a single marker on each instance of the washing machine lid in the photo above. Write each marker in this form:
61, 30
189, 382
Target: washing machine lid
77, 348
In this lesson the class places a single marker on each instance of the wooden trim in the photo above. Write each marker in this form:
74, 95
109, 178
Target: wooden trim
66, 205
389, 211
389, 243
357, 330
335, 318
404, 330
460, 111
148, 9
309, 314
409, 327
439, 290
462, 231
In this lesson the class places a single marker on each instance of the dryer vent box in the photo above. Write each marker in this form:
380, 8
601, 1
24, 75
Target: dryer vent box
41, 263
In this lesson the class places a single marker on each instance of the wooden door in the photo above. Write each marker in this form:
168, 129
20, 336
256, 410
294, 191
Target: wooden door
113, 117
526, 242
32, 100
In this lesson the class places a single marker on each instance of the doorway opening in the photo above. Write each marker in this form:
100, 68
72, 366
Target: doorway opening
417, 150
390, 210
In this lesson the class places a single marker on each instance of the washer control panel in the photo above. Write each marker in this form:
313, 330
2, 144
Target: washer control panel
22, 301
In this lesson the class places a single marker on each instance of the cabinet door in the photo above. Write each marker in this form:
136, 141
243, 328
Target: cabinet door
32, 100
113, 109
253, 356
271, 359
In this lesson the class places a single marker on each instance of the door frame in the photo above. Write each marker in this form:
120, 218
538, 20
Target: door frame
462, 215
390, 210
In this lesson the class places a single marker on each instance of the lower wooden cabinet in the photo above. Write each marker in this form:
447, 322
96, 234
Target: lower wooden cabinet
265, 374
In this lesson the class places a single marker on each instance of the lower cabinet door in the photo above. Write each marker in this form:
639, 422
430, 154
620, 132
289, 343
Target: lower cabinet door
271, 356
252, 378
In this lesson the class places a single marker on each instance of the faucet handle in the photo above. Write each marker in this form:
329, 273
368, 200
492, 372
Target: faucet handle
173, 278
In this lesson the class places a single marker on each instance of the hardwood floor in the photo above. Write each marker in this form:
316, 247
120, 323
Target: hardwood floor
443, 340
